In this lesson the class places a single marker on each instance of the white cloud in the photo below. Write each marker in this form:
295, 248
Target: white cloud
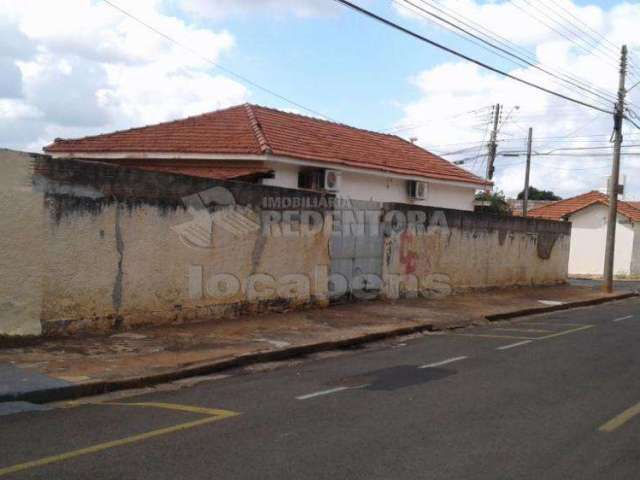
182, 93
228, 8
458, 87
81, 67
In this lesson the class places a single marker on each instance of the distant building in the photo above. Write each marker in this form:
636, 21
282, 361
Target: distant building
588, 215
516, 205
256, 144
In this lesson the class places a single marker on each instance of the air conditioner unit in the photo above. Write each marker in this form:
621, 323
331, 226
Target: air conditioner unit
417, 190
332, 180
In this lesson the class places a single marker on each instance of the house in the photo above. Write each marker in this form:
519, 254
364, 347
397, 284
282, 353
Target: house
588, 215
256, 144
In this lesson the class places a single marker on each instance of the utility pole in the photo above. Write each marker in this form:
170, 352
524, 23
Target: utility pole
493, 144
614, 181
525, 199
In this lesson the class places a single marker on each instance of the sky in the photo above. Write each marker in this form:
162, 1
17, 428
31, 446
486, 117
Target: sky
79, 67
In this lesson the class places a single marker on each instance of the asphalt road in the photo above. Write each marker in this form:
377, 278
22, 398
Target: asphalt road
554, 396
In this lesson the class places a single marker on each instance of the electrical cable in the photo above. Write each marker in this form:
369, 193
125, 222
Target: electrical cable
452, 51
519, 60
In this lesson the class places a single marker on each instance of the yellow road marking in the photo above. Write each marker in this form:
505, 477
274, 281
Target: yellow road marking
621, 419
174, 406
213, 415
567, 332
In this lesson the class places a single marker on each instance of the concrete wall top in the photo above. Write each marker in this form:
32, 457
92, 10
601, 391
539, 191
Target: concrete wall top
483, 221
89, 185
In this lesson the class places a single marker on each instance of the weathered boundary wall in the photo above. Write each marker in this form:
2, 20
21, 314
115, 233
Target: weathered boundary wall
94, 247
23, 246
469, 250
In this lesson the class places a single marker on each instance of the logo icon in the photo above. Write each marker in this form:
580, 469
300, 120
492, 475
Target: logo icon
214, 207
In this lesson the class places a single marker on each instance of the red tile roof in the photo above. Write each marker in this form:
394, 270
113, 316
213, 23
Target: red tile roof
256, 130
563, 208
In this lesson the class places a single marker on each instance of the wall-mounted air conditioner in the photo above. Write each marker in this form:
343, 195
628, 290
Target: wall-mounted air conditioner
332, 180
417, 190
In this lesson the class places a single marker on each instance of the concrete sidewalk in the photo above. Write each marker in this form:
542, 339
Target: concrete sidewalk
56, 369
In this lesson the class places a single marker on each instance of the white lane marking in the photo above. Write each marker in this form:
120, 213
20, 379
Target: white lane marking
623, 318
329, 392
444, 362
526, 330
514, 345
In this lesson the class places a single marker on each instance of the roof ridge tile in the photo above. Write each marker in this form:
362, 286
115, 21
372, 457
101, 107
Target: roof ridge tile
257, 129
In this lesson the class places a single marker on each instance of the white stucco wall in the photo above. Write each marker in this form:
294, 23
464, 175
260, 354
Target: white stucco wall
286, 175
360, 186
23, 246
588, 240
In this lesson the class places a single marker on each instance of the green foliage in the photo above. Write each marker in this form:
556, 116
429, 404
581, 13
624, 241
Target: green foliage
535, 194
494, 203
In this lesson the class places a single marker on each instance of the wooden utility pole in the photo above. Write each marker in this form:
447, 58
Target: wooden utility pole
493, 144
614, 181
525, 198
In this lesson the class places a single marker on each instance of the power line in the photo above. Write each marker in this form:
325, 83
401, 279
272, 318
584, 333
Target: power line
215, 64
601, 42
413, 126
578, 155
558, 5
485, 137
552, 139
495, 37
567, 149
608, 60
422, 38
597, 167
519, 60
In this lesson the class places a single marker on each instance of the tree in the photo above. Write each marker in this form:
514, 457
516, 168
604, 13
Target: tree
535, 194
494, 203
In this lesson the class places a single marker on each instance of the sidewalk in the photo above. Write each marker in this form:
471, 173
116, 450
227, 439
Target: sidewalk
56, 369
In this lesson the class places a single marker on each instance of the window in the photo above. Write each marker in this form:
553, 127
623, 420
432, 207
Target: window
311, 179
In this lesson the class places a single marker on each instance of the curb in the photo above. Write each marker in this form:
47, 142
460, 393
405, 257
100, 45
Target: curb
71, 392
555, 308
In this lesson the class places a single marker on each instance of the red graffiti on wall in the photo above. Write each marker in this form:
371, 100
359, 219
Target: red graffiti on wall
408, 252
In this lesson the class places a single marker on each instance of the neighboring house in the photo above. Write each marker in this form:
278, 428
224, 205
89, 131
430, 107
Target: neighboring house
516, 205
588, 215
258, 144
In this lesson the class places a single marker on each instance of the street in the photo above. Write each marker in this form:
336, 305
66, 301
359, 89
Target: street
552, 396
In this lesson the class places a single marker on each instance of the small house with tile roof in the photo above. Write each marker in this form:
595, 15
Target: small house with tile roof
255, 144
588, 215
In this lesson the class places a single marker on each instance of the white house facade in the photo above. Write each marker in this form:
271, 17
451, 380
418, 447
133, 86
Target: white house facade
588, 216
382, 187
